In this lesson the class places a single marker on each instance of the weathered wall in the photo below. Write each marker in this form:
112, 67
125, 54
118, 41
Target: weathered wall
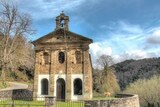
123, 100
22, 94
69, 67
6, 94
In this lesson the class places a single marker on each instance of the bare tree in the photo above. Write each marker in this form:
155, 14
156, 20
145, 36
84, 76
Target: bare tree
14, 26
107, 78
105, 61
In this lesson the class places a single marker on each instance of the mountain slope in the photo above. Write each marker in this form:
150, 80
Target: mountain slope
132, 70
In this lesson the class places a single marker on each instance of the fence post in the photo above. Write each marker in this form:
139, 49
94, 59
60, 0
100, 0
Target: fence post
50, 101
108, 103
12, 102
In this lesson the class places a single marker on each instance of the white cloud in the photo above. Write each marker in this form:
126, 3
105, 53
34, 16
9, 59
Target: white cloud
127, 27
100, 49
42, 9
97, 49
155, 37
128, 41
136, 54
123, 27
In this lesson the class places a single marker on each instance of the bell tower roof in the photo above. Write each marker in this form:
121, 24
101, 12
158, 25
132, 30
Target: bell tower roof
62, 21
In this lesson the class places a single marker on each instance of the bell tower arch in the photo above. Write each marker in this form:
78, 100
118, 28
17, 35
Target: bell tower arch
62, 22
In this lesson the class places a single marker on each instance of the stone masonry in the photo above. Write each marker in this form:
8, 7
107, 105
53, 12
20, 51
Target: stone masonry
123, 101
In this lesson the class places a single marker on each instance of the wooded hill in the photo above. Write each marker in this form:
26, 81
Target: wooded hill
131, 70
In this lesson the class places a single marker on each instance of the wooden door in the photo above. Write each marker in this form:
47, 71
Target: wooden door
60, 89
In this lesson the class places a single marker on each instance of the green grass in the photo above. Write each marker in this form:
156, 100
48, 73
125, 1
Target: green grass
22, 103
70, 104
3, 86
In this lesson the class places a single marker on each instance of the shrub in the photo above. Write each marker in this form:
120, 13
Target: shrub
148, 91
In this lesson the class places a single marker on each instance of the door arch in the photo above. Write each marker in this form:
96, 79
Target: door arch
61, 87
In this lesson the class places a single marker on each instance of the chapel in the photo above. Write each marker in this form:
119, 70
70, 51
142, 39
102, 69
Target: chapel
63, 65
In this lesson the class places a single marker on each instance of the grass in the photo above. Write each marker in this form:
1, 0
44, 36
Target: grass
4, 86
20, 103
70, 104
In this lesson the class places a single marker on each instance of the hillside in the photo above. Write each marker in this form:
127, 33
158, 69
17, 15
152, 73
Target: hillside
22, 74
132, 70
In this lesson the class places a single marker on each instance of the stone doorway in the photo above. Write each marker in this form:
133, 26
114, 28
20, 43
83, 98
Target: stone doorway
60, 89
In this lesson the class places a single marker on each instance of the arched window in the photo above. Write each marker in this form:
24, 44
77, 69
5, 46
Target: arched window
61, 57
62, 23
44, 87
77, 86
46, 58
78, 57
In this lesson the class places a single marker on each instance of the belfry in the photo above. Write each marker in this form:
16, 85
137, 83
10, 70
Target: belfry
63, 64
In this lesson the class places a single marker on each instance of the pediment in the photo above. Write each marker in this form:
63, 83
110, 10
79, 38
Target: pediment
61, 36
52, 40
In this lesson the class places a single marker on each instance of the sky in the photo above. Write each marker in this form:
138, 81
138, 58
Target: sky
123, 29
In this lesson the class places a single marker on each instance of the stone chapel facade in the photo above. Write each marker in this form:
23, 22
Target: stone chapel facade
63, 64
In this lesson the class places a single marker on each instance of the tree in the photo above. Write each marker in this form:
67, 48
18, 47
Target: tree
96, 80
107, 78
104, 61
148, 91
14, 26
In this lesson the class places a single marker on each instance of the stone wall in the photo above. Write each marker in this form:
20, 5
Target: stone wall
123, 100
6, 94
23, 94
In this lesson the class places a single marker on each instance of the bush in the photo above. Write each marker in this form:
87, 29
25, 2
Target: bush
13, 75
2, 86
148, 91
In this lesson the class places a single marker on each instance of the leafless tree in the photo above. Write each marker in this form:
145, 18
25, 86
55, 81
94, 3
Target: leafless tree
14, 27
105, 61
107, 78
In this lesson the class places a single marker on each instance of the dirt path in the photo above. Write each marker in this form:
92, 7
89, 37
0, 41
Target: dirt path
15, 85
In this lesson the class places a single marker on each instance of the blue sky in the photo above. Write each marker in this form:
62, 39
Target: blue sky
124, 29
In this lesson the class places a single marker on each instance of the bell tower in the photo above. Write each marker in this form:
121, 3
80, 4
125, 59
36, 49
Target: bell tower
62, 22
